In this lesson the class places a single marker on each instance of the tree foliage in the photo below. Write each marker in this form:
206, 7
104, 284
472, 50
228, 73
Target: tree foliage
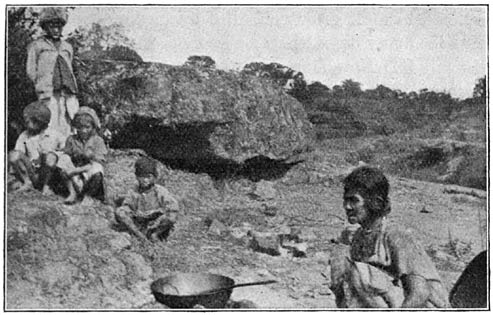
22, 27
291, 80
102, 42
98, 42
98, 37
351, 88
479, 91
201, 62
316, 88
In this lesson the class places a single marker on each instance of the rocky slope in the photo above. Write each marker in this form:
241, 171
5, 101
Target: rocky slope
75, 257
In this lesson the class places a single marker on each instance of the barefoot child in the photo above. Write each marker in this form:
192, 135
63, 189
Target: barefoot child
84, 155
34, 157
150, 211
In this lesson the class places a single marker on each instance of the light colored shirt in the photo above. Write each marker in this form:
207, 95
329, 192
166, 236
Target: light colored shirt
157, 197
77, 149
396, 252
33, 146
42, 55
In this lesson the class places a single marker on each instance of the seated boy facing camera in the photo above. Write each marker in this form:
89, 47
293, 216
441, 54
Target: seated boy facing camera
150, 211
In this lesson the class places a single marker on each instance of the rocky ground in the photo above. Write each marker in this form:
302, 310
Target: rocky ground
76, 257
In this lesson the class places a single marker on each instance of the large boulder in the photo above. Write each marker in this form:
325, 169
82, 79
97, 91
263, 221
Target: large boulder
184, 113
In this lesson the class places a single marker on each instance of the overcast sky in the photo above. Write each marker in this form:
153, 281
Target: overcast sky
442, 48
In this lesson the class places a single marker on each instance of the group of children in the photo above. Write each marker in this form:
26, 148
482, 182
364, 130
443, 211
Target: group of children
41, 152
61, 142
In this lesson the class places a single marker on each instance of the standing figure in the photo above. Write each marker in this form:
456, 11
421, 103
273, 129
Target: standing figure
49, 66
36, 151
387, 267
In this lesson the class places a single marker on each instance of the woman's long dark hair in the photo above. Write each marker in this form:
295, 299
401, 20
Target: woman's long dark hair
374, 187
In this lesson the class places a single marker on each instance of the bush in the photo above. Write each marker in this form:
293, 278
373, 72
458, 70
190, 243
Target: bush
20, 90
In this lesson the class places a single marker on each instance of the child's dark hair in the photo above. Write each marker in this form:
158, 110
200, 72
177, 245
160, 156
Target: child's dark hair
39, 113
146, 166
373, 184
77, 118
42, 124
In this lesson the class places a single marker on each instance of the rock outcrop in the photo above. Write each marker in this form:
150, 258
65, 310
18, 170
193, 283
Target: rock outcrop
460, 163
188, 115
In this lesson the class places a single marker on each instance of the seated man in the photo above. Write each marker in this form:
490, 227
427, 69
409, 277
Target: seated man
150, 211
387, 267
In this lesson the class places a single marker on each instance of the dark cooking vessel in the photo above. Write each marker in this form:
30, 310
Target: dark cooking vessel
185, 290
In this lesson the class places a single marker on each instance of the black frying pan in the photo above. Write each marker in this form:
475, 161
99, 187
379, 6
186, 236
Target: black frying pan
185, 290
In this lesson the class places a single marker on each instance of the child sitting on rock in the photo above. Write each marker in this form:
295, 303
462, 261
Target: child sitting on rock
150, 211
84, 156
36, 151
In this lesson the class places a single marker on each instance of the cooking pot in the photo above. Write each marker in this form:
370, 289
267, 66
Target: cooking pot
185, 290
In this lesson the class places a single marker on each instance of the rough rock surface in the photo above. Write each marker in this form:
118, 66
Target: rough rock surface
178, 113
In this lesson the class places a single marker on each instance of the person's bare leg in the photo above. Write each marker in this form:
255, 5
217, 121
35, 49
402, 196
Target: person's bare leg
127, 221
26, 181
72, 194
46, 190
22, 167
94, 187
160, 229
49, 165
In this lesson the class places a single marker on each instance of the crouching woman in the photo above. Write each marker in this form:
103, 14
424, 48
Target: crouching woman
387, 267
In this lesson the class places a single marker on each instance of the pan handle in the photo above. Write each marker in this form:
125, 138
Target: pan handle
253, 283
212, 291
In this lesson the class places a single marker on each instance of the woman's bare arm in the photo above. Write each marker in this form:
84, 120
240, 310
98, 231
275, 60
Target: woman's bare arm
416, 291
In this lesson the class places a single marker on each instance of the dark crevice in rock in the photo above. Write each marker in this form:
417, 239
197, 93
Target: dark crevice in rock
187, 147
430, 156
255, 169
181, 141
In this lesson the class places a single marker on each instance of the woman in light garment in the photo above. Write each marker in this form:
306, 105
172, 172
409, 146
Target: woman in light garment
386, 267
